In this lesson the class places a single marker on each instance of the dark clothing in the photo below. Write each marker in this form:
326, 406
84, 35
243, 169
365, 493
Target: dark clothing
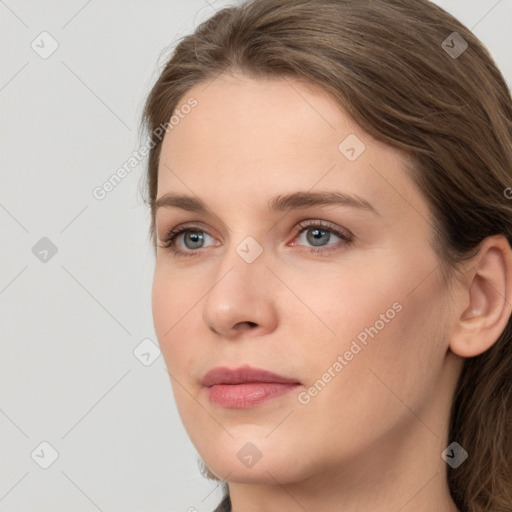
224, 505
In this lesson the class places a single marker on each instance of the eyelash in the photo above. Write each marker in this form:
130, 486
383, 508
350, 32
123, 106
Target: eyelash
169, 241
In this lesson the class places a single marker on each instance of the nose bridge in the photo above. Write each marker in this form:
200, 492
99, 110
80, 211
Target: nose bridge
239, 291
243, 251
242, 268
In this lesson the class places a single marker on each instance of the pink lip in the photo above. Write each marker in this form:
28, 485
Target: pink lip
245, 386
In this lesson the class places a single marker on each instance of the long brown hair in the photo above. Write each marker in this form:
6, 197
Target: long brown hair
389, 65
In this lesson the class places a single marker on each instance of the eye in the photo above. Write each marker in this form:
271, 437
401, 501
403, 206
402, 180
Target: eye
319, 234
191, 237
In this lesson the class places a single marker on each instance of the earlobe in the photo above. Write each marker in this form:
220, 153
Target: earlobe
485, 301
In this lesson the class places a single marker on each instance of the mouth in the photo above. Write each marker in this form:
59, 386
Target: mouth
245, 387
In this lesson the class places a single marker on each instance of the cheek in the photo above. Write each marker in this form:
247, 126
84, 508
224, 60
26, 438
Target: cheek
392, 345
386, 318
172, 310
342, 305
163, 303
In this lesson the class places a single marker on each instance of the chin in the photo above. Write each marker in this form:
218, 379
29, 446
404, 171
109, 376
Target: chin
254, 459
263, 472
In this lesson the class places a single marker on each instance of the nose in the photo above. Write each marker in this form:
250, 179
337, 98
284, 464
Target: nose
240, 299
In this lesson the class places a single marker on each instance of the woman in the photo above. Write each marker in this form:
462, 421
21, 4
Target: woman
329, 183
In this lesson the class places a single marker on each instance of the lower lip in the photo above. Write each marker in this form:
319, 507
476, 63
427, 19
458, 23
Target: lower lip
247, 395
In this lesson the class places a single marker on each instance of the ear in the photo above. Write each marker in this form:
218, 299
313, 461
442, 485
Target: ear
486, 299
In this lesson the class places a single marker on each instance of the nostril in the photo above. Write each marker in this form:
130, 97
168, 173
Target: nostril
243, 325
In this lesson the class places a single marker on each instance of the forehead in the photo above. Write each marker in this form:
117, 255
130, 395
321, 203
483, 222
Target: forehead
254, 138
257, 119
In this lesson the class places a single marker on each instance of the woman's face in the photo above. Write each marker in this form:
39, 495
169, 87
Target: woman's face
266, 278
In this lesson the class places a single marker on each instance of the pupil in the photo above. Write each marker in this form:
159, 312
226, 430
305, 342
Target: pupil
314, 239
195, 237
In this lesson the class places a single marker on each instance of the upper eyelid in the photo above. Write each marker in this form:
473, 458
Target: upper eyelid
298, 228
198, 225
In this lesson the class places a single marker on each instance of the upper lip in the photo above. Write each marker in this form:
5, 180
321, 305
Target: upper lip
223, 375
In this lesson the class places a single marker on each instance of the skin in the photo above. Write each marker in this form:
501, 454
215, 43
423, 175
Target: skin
372, 438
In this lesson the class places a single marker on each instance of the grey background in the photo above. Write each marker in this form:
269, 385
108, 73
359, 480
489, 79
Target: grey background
70, 324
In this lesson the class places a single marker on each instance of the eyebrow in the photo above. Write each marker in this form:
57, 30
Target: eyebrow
279, 203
